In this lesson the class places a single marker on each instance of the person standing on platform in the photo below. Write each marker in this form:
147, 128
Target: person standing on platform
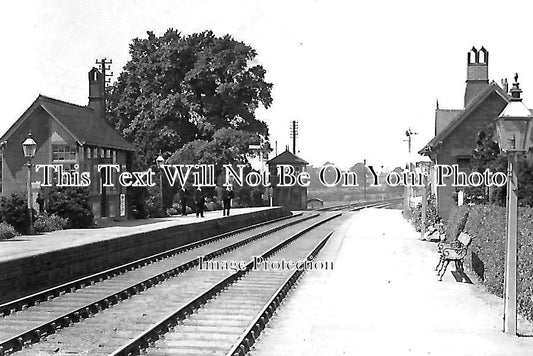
199, 200
227, 195
40, 203
183, 201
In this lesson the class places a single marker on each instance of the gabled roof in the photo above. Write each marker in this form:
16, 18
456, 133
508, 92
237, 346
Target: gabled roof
81, 122
287, 158
443, 117
493, 87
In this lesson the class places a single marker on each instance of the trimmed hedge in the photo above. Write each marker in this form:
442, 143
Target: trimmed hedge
486, 255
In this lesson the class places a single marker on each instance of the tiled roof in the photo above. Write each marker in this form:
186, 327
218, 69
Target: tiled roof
82, 122
443, 118
492, 87
286, 158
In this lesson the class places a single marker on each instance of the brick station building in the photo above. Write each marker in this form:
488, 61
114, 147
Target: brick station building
69, 135
456, 130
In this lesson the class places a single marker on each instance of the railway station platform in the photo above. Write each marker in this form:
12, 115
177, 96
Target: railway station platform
383, 298
29, 245
32, 263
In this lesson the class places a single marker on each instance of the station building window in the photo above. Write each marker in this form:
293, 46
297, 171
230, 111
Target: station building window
62, 153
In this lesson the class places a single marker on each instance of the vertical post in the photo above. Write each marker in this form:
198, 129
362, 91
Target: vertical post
161, 187
364, 180
261, 158
405, 199
294, 133
424, 207
30, 205
509, 315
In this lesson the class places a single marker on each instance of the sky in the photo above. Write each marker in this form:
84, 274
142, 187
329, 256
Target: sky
355, 75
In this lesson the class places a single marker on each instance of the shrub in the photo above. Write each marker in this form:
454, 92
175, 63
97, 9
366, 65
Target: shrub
47, 223
71, 203
14, 211
211, 206
7, 231
172, 211
414, 215
153, 203
486, 223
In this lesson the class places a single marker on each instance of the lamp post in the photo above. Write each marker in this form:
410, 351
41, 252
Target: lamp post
514, 130
424, 169
406, 193
159, 161
29, 146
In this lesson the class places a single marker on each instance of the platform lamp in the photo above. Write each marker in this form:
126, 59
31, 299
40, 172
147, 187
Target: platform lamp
160, 161
29, 146
266, 148
514, 131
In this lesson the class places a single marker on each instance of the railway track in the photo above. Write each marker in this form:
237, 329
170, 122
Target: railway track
361, 205
31, 318
38, 324
379, 204
126, 310
228, 317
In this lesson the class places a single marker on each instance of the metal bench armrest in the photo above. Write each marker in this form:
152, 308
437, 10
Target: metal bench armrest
454, 244
454, 253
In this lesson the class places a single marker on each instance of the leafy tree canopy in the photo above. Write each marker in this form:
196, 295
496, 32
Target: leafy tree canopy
228, 146
177, 89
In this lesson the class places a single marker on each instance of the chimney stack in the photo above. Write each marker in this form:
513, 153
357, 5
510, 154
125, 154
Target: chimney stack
477, 73
97, 91
505, 85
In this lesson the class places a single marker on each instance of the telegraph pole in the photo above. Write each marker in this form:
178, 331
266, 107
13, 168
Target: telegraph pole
105, 65
294, 134
409, 133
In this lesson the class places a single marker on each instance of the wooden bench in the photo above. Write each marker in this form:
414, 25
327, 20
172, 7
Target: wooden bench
453, 251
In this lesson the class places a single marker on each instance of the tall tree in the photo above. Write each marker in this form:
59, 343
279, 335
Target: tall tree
176, 89
228, 146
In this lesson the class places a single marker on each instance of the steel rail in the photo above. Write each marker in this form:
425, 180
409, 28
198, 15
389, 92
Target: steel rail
356, 205
49, 293
248, 337
150, 335
35, 334
378, 204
